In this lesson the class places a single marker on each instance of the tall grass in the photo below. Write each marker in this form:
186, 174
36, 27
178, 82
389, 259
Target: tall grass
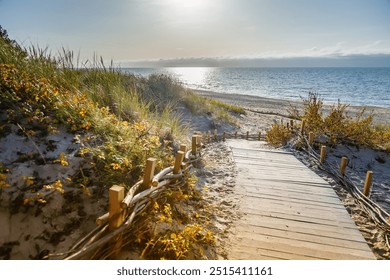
337, 125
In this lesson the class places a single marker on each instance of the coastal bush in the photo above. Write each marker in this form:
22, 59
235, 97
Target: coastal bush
278, 135
337, 125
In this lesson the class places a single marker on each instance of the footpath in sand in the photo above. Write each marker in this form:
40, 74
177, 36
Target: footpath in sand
289, 212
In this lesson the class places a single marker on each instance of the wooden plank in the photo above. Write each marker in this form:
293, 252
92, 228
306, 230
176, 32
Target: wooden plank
296, 207
244, 253
310, 220
313, 238
300, 212
296, 226
306, 248
292, 200
303, 189
279, 245
286, 191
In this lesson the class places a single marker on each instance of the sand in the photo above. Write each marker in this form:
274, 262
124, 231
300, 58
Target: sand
261, 114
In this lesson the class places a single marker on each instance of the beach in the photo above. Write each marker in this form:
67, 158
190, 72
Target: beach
279, 107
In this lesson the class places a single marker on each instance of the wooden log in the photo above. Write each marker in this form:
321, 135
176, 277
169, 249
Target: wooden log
149, 172
343, 165
115, 211
178, 160
183, 148
367, 184
323, 154
194, 146
303, 126
126, 201
311, 138
162, 173
102, 219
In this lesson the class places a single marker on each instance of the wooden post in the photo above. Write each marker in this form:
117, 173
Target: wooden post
367, 183
259, 135
311, 138
115, 214
292, 123
247, 135
178, 160
235, 134
224, 136
215, 134
343, 165
198, 140
323, 154
149, 172
183, 148
194, 140
302, 127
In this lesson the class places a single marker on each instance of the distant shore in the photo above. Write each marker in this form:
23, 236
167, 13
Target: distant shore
281, 106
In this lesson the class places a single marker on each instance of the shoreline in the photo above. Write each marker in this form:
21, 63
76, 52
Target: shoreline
269, 105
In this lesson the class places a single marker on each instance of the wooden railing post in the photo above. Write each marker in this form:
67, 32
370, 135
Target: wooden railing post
343, 165
183, 148
115, 212
323, 154
194, 140
178, 160
367, 183
149, 172
302, 127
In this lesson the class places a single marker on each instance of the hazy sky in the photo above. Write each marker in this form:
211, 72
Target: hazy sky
128, 30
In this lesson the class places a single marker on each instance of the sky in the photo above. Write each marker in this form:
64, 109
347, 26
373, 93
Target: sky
207, 32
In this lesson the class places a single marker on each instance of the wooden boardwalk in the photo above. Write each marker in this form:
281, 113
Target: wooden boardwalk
289, 212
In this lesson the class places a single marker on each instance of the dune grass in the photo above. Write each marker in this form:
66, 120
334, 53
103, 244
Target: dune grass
337, 125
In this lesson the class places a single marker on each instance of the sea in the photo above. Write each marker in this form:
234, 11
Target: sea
353, 86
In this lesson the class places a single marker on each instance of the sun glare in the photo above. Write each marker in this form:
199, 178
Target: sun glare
188, 8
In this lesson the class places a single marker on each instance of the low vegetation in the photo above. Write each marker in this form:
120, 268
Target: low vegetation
337, 126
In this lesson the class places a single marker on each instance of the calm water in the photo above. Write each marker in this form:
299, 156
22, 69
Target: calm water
355, 86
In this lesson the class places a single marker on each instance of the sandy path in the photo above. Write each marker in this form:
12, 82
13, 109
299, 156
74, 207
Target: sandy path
289, 212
